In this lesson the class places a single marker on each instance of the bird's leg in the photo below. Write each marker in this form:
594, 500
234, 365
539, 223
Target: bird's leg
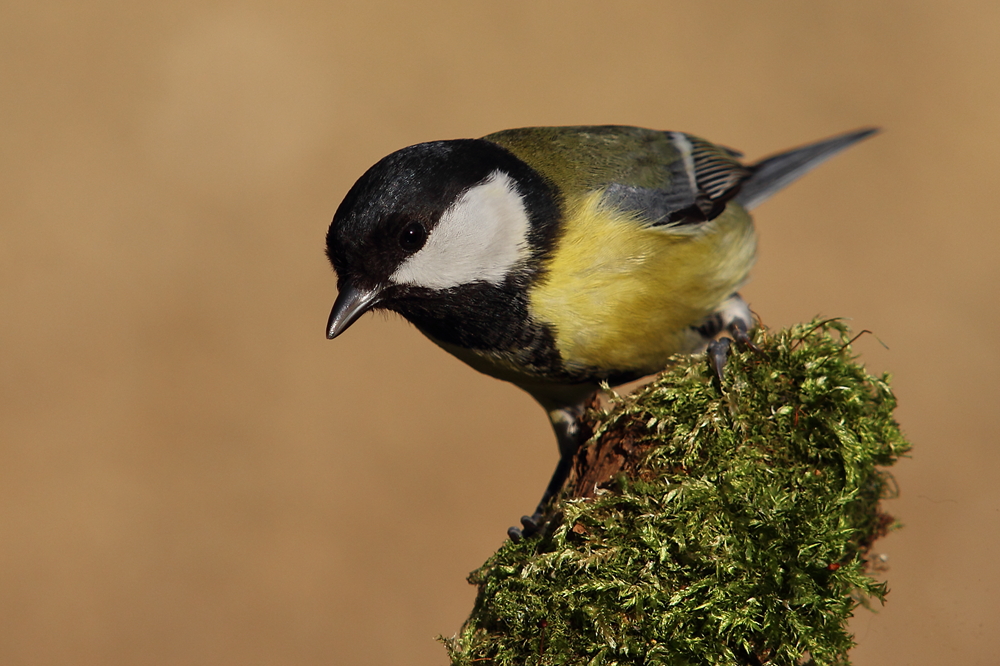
734, 317
570, 434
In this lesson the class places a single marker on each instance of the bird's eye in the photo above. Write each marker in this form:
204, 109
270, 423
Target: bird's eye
412, 237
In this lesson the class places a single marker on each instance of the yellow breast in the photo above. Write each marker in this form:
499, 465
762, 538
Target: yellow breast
623, 296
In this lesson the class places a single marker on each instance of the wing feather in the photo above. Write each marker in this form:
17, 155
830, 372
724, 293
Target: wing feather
663, 178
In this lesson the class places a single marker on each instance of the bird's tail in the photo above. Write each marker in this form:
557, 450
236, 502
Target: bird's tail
773, 173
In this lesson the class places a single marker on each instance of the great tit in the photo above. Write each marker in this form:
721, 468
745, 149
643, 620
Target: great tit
558, 258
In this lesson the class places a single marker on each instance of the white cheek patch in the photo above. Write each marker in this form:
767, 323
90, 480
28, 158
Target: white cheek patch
478, 239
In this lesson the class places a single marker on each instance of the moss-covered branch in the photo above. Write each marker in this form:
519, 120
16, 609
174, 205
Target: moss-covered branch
707, 527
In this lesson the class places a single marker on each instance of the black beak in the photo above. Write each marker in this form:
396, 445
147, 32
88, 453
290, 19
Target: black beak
350, 305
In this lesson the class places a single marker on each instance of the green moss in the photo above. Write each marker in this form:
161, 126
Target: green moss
739, 538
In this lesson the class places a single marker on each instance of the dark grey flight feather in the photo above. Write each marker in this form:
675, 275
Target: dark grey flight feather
773, 173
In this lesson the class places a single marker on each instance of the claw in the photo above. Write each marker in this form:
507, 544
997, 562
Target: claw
738, 329
718, 352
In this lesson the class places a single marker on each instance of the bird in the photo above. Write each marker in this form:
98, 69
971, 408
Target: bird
561, 258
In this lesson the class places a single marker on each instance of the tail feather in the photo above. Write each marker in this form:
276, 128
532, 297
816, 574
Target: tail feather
773, 173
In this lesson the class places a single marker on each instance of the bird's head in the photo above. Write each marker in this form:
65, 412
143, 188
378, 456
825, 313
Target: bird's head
429, 225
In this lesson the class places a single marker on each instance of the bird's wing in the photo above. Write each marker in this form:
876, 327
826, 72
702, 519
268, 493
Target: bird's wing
701, 179
666, 178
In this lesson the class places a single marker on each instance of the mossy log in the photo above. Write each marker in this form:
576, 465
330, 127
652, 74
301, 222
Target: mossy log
707, 523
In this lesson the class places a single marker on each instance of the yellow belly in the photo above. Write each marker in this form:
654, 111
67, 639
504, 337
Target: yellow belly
623, 296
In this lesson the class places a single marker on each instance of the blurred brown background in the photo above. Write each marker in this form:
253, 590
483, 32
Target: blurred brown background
191, 474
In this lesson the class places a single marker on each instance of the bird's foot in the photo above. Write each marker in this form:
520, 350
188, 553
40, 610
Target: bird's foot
718, 350
741, 334
718, 353
534, 524
530, 526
